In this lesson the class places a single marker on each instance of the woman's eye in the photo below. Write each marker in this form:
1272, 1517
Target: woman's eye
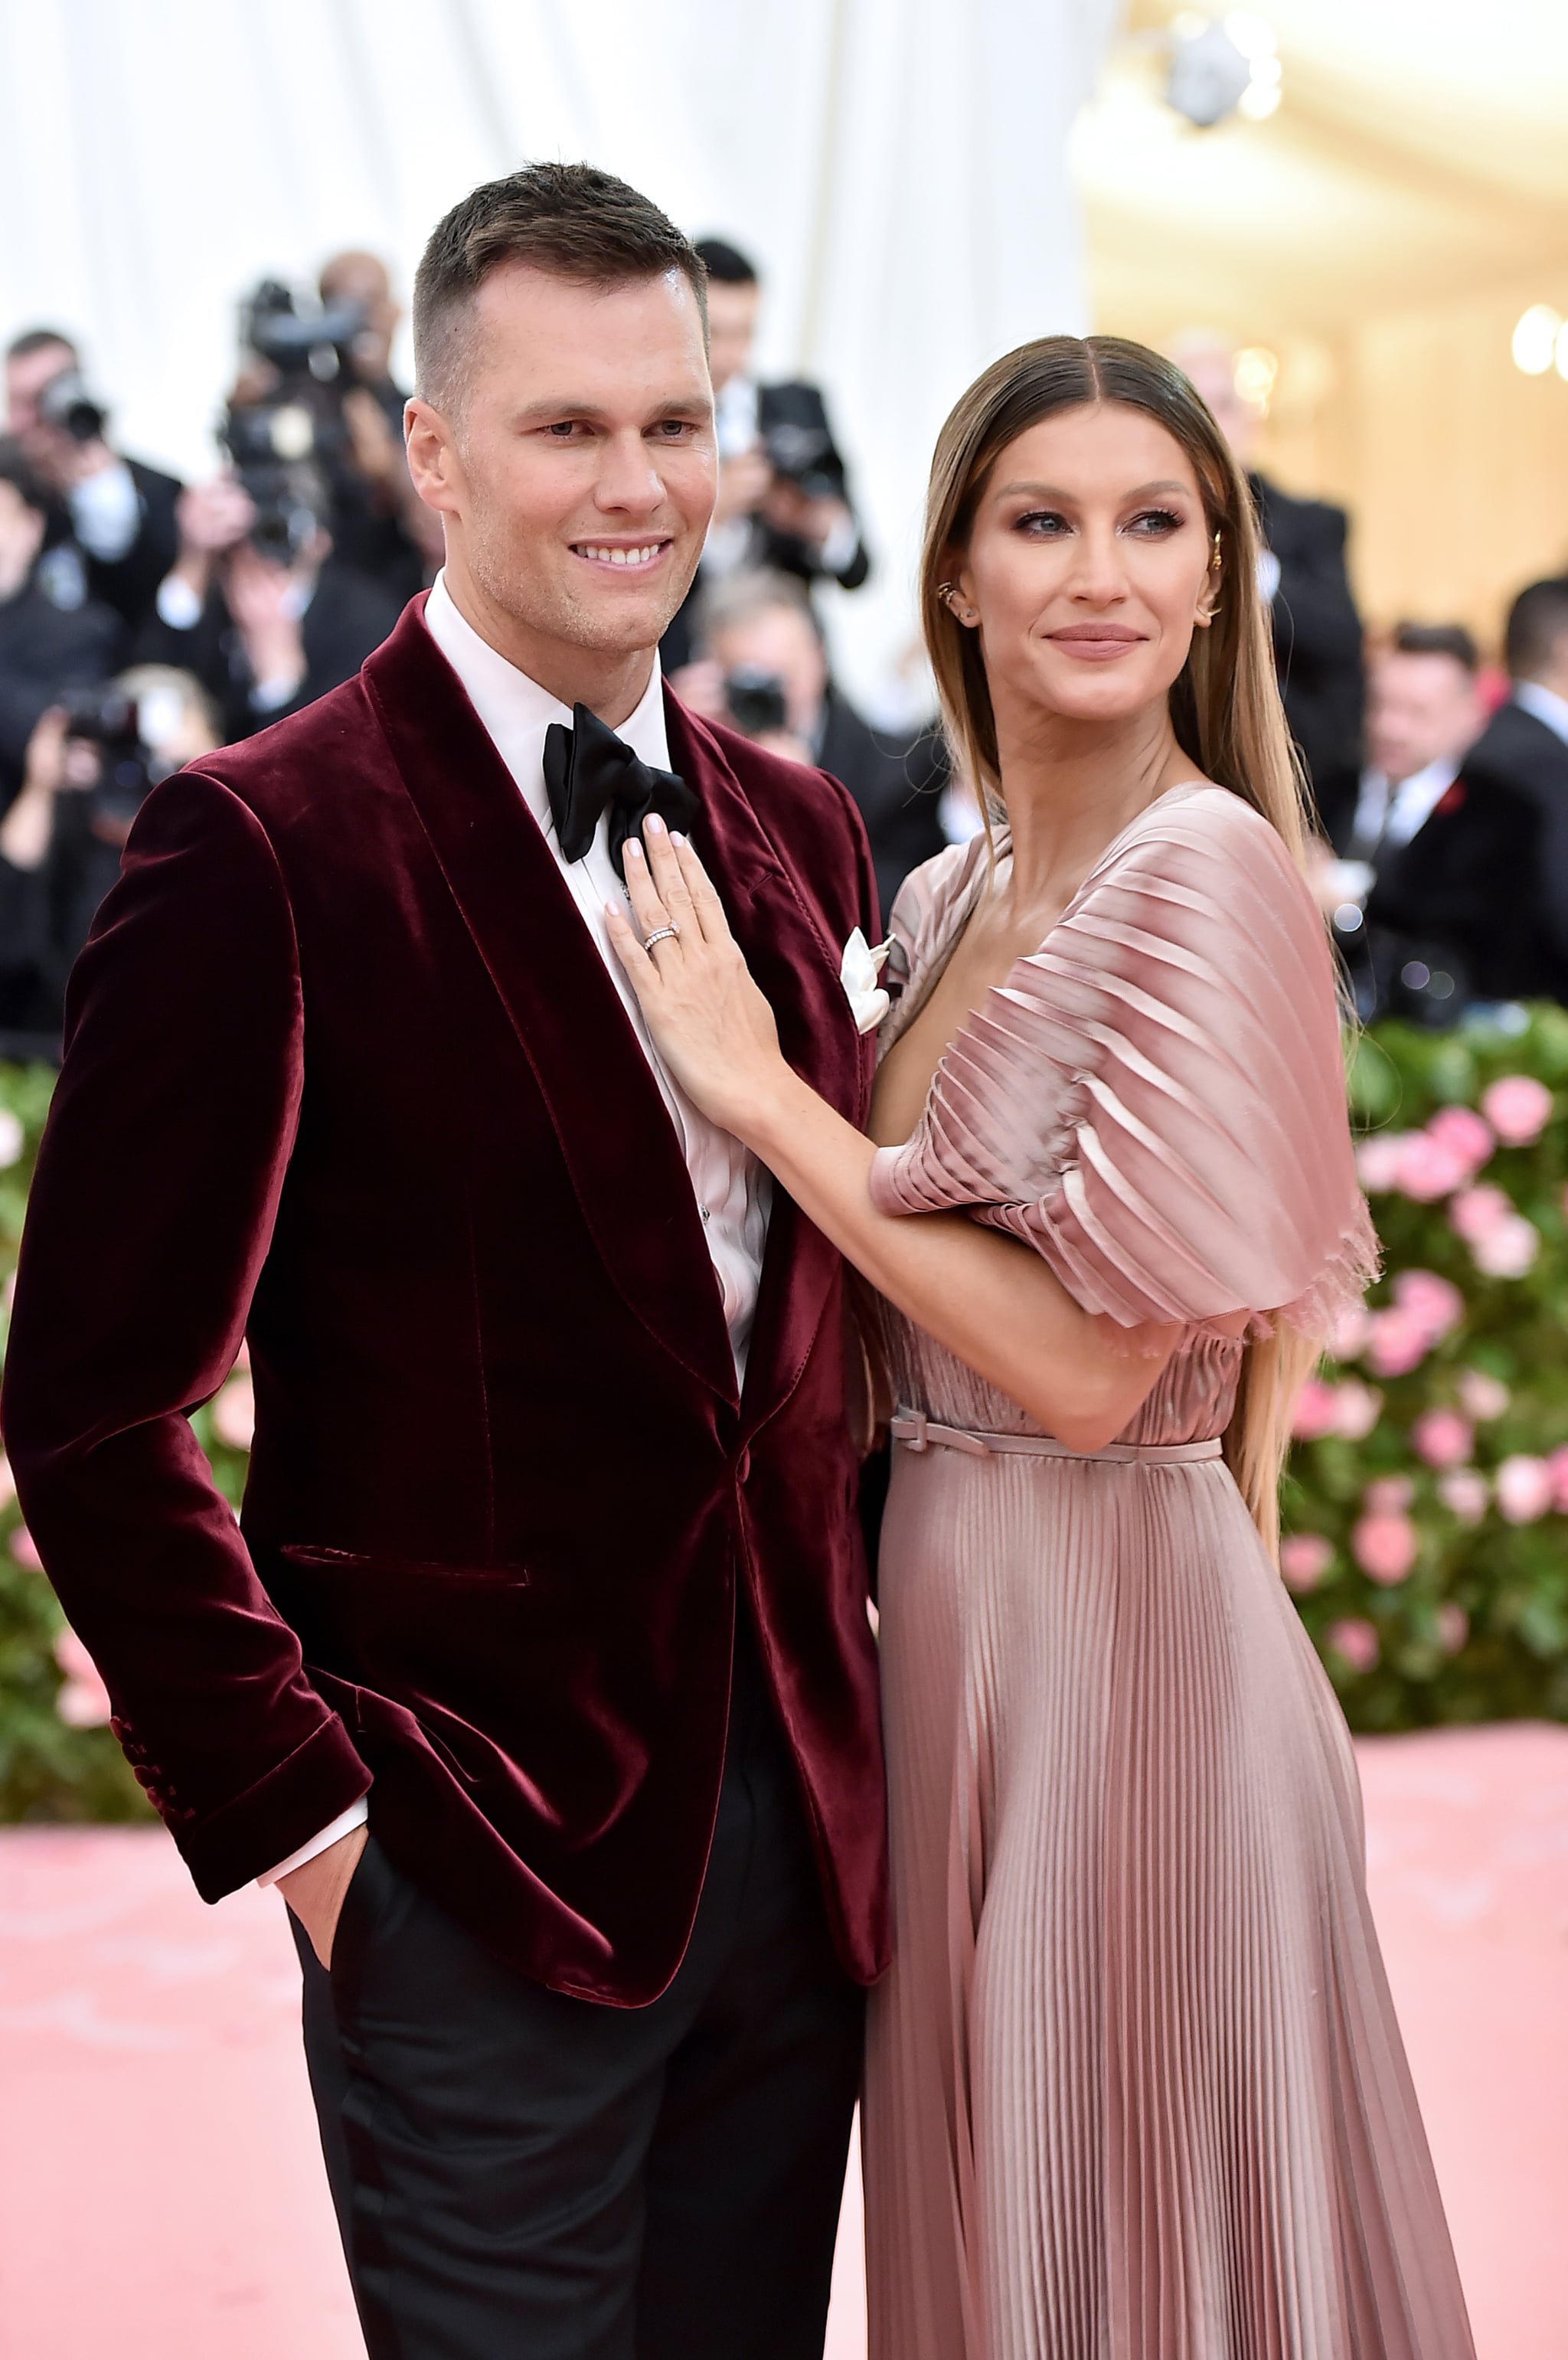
1153, 524
1041, 524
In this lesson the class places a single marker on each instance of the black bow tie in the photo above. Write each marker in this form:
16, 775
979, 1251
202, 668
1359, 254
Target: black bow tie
588, 770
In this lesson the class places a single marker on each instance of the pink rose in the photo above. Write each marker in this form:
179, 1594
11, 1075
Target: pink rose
1519, 1108
1397, 1345
1433, 1304
1377, 1161
1453, 1627
1482, 1397
1476, 1212
1508, 1251
1389, 1495
1442, 1437
1316, 1411
1385, 1546
1462, 1128
1557, 1460
1352, 1331
1355, 1640
234, 1412
1429, 1168
1526, 1488
25, 1549
83, 1701
1304, 1558
1357, 1408
1464, 1494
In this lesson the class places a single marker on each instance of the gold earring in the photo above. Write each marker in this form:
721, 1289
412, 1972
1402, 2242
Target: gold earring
947, 593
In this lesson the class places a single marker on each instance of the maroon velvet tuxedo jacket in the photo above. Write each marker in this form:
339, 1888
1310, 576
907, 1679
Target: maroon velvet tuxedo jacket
345, 1074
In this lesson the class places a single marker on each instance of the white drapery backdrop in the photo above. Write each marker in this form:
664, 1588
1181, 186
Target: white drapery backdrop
898, 167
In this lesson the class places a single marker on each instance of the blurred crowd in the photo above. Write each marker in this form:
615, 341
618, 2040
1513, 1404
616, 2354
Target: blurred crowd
144, 622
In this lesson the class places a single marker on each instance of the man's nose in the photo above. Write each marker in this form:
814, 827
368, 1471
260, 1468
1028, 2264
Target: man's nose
629, 477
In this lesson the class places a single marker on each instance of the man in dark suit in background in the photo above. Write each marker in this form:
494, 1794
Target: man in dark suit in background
122, 510
1317, 631
1428, 893
783, 501
765, 661
1524, 753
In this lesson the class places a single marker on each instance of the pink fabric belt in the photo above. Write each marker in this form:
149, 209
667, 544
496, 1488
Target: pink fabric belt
916, 1431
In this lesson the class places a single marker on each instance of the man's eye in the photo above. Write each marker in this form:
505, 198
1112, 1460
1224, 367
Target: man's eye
563, 429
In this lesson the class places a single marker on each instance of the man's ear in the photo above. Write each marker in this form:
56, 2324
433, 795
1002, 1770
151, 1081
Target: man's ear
434, 463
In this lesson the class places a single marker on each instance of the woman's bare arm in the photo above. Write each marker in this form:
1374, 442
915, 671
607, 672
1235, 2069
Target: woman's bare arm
987, 1298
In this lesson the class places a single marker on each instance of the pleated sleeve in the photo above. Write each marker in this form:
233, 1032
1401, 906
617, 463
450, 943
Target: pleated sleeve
1154, 1101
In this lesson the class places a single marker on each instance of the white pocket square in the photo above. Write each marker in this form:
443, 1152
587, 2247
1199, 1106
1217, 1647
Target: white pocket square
858, 972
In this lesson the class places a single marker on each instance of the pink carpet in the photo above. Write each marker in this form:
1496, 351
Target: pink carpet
160, 2190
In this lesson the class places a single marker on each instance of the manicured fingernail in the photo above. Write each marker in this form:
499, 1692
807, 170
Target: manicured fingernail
611, 912
676, 839
654, 825
634, 849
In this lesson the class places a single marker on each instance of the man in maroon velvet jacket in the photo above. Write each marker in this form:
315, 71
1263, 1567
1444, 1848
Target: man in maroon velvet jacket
348, 1073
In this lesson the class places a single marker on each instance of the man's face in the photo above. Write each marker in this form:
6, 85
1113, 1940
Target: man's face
576, 476
732, 325
782, 640
26, 379
1420, 709
362, 278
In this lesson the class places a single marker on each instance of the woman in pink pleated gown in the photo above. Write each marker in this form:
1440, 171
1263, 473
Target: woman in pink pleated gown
1135, 2088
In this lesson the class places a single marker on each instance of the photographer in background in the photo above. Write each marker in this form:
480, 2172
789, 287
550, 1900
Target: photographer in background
256, 605
91, 759
378, 524
45, 647
764, 669
121, 511
783, 500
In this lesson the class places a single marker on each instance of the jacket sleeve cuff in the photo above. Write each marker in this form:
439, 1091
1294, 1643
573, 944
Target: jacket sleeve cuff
281, 1812
357, 1815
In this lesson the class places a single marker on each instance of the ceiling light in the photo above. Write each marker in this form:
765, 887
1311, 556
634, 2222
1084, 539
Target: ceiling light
1221, 64
1537, 340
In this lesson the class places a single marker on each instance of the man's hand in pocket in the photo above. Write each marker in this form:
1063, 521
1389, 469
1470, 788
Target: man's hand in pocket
315, 1893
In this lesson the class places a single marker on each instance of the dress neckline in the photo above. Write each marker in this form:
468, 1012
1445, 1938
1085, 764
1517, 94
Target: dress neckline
910, 1003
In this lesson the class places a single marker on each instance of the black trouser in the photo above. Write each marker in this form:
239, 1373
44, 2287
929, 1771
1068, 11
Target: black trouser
523, 2176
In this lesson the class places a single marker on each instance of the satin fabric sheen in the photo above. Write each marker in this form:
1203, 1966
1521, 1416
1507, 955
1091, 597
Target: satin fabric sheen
1135, 2090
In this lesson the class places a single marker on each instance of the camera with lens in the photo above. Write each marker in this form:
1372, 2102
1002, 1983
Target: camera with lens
285, 440
67, 401
799, 448
756, 700
107, 720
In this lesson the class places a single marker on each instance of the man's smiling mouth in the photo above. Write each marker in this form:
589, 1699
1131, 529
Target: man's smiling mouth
626, 557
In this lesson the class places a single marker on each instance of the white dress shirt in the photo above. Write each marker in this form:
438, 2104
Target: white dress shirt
1386, 816
1546, 705
733, 1193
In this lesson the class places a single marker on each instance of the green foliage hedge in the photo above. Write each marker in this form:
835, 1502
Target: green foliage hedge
1426, 1505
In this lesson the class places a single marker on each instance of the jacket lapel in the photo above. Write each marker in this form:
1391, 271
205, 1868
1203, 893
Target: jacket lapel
619, 1145
789, 951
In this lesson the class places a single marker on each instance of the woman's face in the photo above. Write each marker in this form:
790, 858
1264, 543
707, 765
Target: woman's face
1087, 568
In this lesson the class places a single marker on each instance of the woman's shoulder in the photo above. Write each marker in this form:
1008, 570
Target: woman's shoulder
1206, 836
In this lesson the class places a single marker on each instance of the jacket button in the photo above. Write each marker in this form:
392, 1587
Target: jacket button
742, 1467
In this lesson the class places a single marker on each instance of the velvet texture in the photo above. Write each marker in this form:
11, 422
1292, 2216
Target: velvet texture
345, 1075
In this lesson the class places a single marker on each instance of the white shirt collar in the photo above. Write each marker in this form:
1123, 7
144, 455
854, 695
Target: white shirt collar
515, 710
1546, 705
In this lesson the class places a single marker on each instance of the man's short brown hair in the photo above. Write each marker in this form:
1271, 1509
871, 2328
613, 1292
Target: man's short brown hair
569, 219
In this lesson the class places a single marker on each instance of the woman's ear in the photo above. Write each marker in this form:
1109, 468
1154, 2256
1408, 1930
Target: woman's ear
956, 590
1208, 602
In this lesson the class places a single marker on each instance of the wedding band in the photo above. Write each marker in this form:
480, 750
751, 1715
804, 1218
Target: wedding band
661, 934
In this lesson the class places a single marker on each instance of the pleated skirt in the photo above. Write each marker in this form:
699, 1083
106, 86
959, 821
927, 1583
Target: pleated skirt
1134, 2087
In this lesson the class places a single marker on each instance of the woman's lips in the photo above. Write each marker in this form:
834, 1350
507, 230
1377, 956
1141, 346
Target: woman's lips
1095, 642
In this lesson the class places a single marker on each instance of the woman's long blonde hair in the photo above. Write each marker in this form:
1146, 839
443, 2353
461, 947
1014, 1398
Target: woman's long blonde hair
1225, 703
